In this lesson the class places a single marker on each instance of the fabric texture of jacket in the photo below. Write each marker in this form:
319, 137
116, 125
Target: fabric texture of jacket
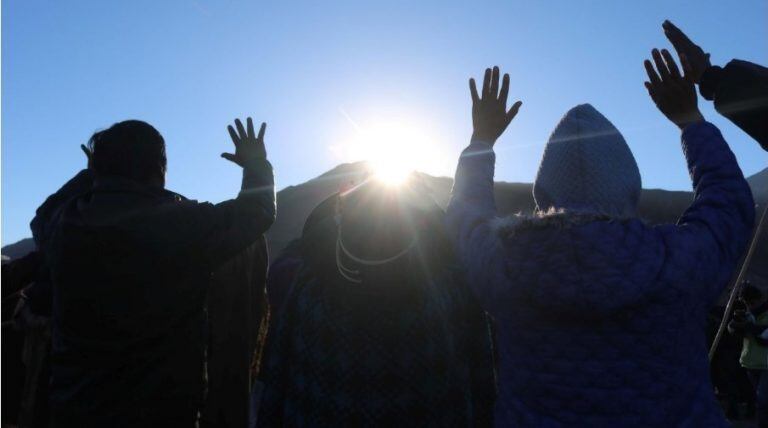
237, 314
411, 353
130, 266
740, 93
601, 321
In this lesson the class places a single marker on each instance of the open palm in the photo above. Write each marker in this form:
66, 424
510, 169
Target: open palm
490, 116
248, 145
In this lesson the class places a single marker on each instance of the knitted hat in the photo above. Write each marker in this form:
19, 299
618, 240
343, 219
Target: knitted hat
587, 167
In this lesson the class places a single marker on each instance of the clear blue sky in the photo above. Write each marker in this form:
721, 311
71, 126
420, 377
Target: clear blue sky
70, 68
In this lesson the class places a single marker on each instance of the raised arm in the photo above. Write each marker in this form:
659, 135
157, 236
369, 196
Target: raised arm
739, 90
713, 232
219, 232
472, 204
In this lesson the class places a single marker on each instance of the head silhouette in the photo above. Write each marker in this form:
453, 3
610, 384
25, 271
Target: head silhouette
379, 221
587, 167
130, 149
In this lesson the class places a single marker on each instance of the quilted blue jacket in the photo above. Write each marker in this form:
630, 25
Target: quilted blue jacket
600, 322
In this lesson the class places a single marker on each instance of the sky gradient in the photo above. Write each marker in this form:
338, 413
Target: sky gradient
320, 72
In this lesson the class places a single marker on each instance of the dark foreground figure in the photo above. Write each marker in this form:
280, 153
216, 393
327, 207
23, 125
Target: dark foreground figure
130, 263
601, 318
378, 328
739, 90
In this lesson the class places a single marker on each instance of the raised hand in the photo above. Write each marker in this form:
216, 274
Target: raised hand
697, 58
248, 146
489, 109
673, 93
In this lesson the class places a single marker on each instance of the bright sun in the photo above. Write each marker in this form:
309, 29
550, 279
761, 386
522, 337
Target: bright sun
395, 149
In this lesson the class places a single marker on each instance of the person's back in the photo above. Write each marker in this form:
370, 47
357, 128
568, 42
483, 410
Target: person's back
130, 263
377, 329
601, 318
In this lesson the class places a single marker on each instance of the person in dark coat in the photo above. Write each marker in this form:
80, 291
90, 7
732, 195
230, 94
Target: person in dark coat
600, 318
739, 90
130, 263
17, 275
379, 328
237, 314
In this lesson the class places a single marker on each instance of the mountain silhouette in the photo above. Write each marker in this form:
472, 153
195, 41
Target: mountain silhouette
294, 203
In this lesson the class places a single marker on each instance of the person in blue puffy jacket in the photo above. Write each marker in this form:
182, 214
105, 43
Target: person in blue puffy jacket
600, 317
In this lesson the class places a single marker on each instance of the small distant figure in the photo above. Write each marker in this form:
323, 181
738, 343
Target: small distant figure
600, 318
751, 322
374, 325
739, 90
130, 264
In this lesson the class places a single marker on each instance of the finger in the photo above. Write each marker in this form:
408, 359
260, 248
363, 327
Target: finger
652, 76
86, 150
240, 129
513, 111
676, 35
262, 130
230, 157
671, 65
688, 73
660, 66
504, 89
651, 93
487, 82
495, 82
233, 135
473, 91
249, 125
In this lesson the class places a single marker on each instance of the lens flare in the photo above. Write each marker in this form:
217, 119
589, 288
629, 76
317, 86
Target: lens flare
394, 150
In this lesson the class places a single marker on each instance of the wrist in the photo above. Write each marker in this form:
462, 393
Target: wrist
689, 119
479, 137
709, 81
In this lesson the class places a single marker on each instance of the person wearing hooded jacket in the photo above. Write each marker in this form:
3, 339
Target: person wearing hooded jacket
130, 264
600, 317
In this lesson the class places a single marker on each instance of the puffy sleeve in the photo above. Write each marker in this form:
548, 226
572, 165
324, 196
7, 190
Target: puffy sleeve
711, 235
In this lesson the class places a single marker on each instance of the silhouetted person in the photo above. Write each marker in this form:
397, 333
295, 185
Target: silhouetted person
600, 318
130, 263
739, 90
17, 275
377, 329
751, 322
237, 313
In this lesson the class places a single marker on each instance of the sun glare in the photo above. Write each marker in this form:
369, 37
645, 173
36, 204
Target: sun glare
394, 150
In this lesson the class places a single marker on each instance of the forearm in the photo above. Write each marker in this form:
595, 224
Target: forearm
473, 183
715, 175
231, 226
722, 214
472, 203
740, 93
468, 218
258, 190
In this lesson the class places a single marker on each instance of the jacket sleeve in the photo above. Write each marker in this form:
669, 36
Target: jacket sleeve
80, 183
710, 237
740, 93
468, 220
221, 231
